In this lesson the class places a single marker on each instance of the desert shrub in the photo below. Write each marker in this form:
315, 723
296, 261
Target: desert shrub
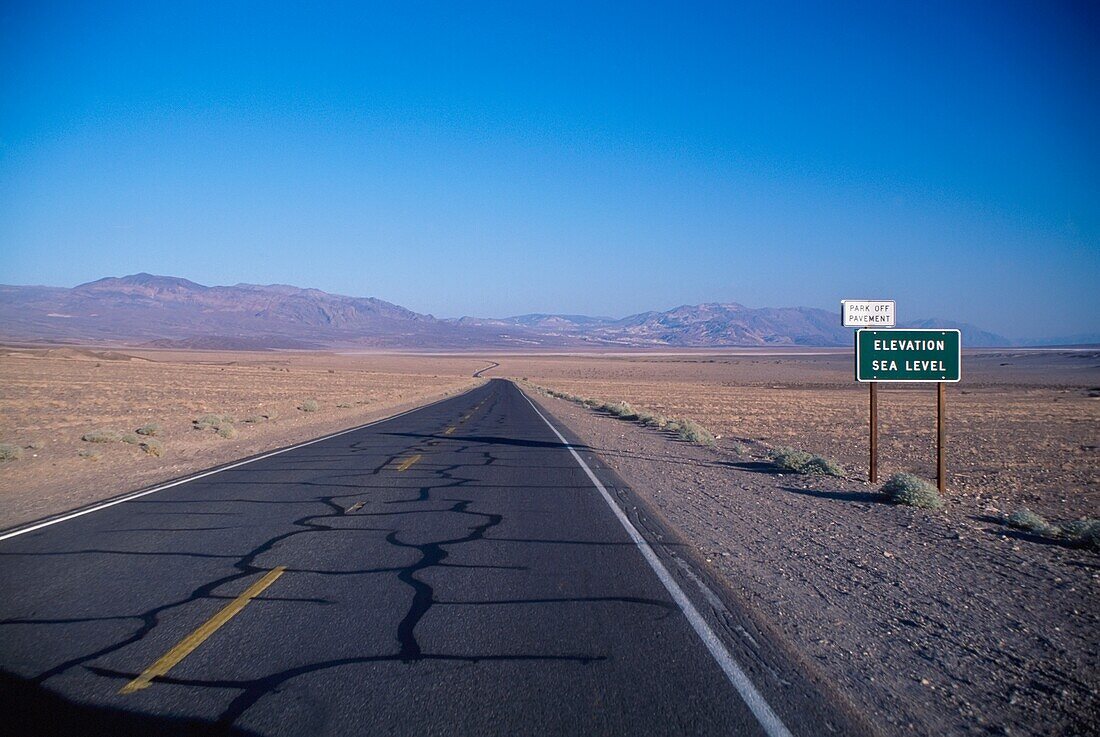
809, 464
693, 432
650, 419
101, 436
90, 455
9, 452
256, 419
343, 405
740, 449
1082, 533
309, 405
228, 432
622, 410
912, 491
1025, 519
153, 447
130, 438
149, 430
206, 422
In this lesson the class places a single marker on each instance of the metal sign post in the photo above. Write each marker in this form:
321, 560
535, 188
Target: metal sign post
941, 436
910, 356
864, 313
874, 433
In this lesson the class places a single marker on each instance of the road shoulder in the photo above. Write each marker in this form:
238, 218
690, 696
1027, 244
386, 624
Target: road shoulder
922, 627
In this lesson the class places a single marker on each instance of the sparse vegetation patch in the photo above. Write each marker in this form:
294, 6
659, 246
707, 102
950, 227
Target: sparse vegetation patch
802, 462
9, 452
1082, 533
150, 430
687, 430
1025, 519
309, 405
912, 491
101, 436
693, 432
211, 421
153, 447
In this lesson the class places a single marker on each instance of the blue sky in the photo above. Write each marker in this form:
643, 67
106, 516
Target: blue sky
493, 159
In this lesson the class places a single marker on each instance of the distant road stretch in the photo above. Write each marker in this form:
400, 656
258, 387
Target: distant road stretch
454, 570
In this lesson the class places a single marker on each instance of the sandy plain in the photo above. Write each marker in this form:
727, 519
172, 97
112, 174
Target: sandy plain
943, 622
1023, 425
49, 398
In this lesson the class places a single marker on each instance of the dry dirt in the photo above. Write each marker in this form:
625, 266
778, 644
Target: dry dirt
1023, 426
934, 622
929, 623
49, 398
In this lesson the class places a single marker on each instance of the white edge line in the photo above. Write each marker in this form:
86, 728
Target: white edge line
204, 474
767, 718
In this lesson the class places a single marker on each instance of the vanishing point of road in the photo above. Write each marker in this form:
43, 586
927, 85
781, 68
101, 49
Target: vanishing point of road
463, 568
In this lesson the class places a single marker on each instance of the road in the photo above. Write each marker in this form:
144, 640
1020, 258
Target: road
454, 570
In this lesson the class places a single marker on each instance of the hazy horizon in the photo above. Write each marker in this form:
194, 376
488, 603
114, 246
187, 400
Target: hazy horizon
493, 160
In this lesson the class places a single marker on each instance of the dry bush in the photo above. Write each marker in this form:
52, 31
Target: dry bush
1082, 533
211, 421
1025, 519
9, 452
101, 436
809, 464
912, 491
150, 429
309, 405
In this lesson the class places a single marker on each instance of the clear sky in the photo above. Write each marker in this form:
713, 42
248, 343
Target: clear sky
494, 159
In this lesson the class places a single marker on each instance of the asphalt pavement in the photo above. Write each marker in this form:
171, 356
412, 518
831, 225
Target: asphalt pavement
453, 570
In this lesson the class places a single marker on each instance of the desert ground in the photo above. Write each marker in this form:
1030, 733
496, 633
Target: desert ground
940, 622
51, 398
928, 622
1023, 425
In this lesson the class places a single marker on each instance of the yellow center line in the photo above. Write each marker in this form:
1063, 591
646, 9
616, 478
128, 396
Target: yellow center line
188, 644
404, 465
449, 430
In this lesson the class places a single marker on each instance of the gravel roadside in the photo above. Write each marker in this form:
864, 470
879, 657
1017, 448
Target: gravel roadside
932, 622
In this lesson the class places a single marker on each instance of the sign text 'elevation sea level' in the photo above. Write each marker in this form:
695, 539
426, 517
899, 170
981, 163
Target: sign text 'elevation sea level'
908, 355
867, 313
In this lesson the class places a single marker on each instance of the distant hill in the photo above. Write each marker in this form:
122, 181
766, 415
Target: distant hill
169, 312
706, 325
172, 312
972, 337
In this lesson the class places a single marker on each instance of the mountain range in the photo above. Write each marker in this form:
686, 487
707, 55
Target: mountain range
165, 311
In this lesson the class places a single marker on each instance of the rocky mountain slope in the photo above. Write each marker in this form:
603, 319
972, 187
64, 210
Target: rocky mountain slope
166, 311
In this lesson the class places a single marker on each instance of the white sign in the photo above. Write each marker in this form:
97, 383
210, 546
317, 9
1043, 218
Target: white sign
867, 313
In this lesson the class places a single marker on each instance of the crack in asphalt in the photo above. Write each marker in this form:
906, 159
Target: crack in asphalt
431, 554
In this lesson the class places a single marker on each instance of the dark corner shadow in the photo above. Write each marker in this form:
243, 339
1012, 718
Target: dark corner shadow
489, 440
840, 496
31, 710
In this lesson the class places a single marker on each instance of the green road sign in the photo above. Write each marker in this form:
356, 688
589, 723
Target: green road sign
908, 355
